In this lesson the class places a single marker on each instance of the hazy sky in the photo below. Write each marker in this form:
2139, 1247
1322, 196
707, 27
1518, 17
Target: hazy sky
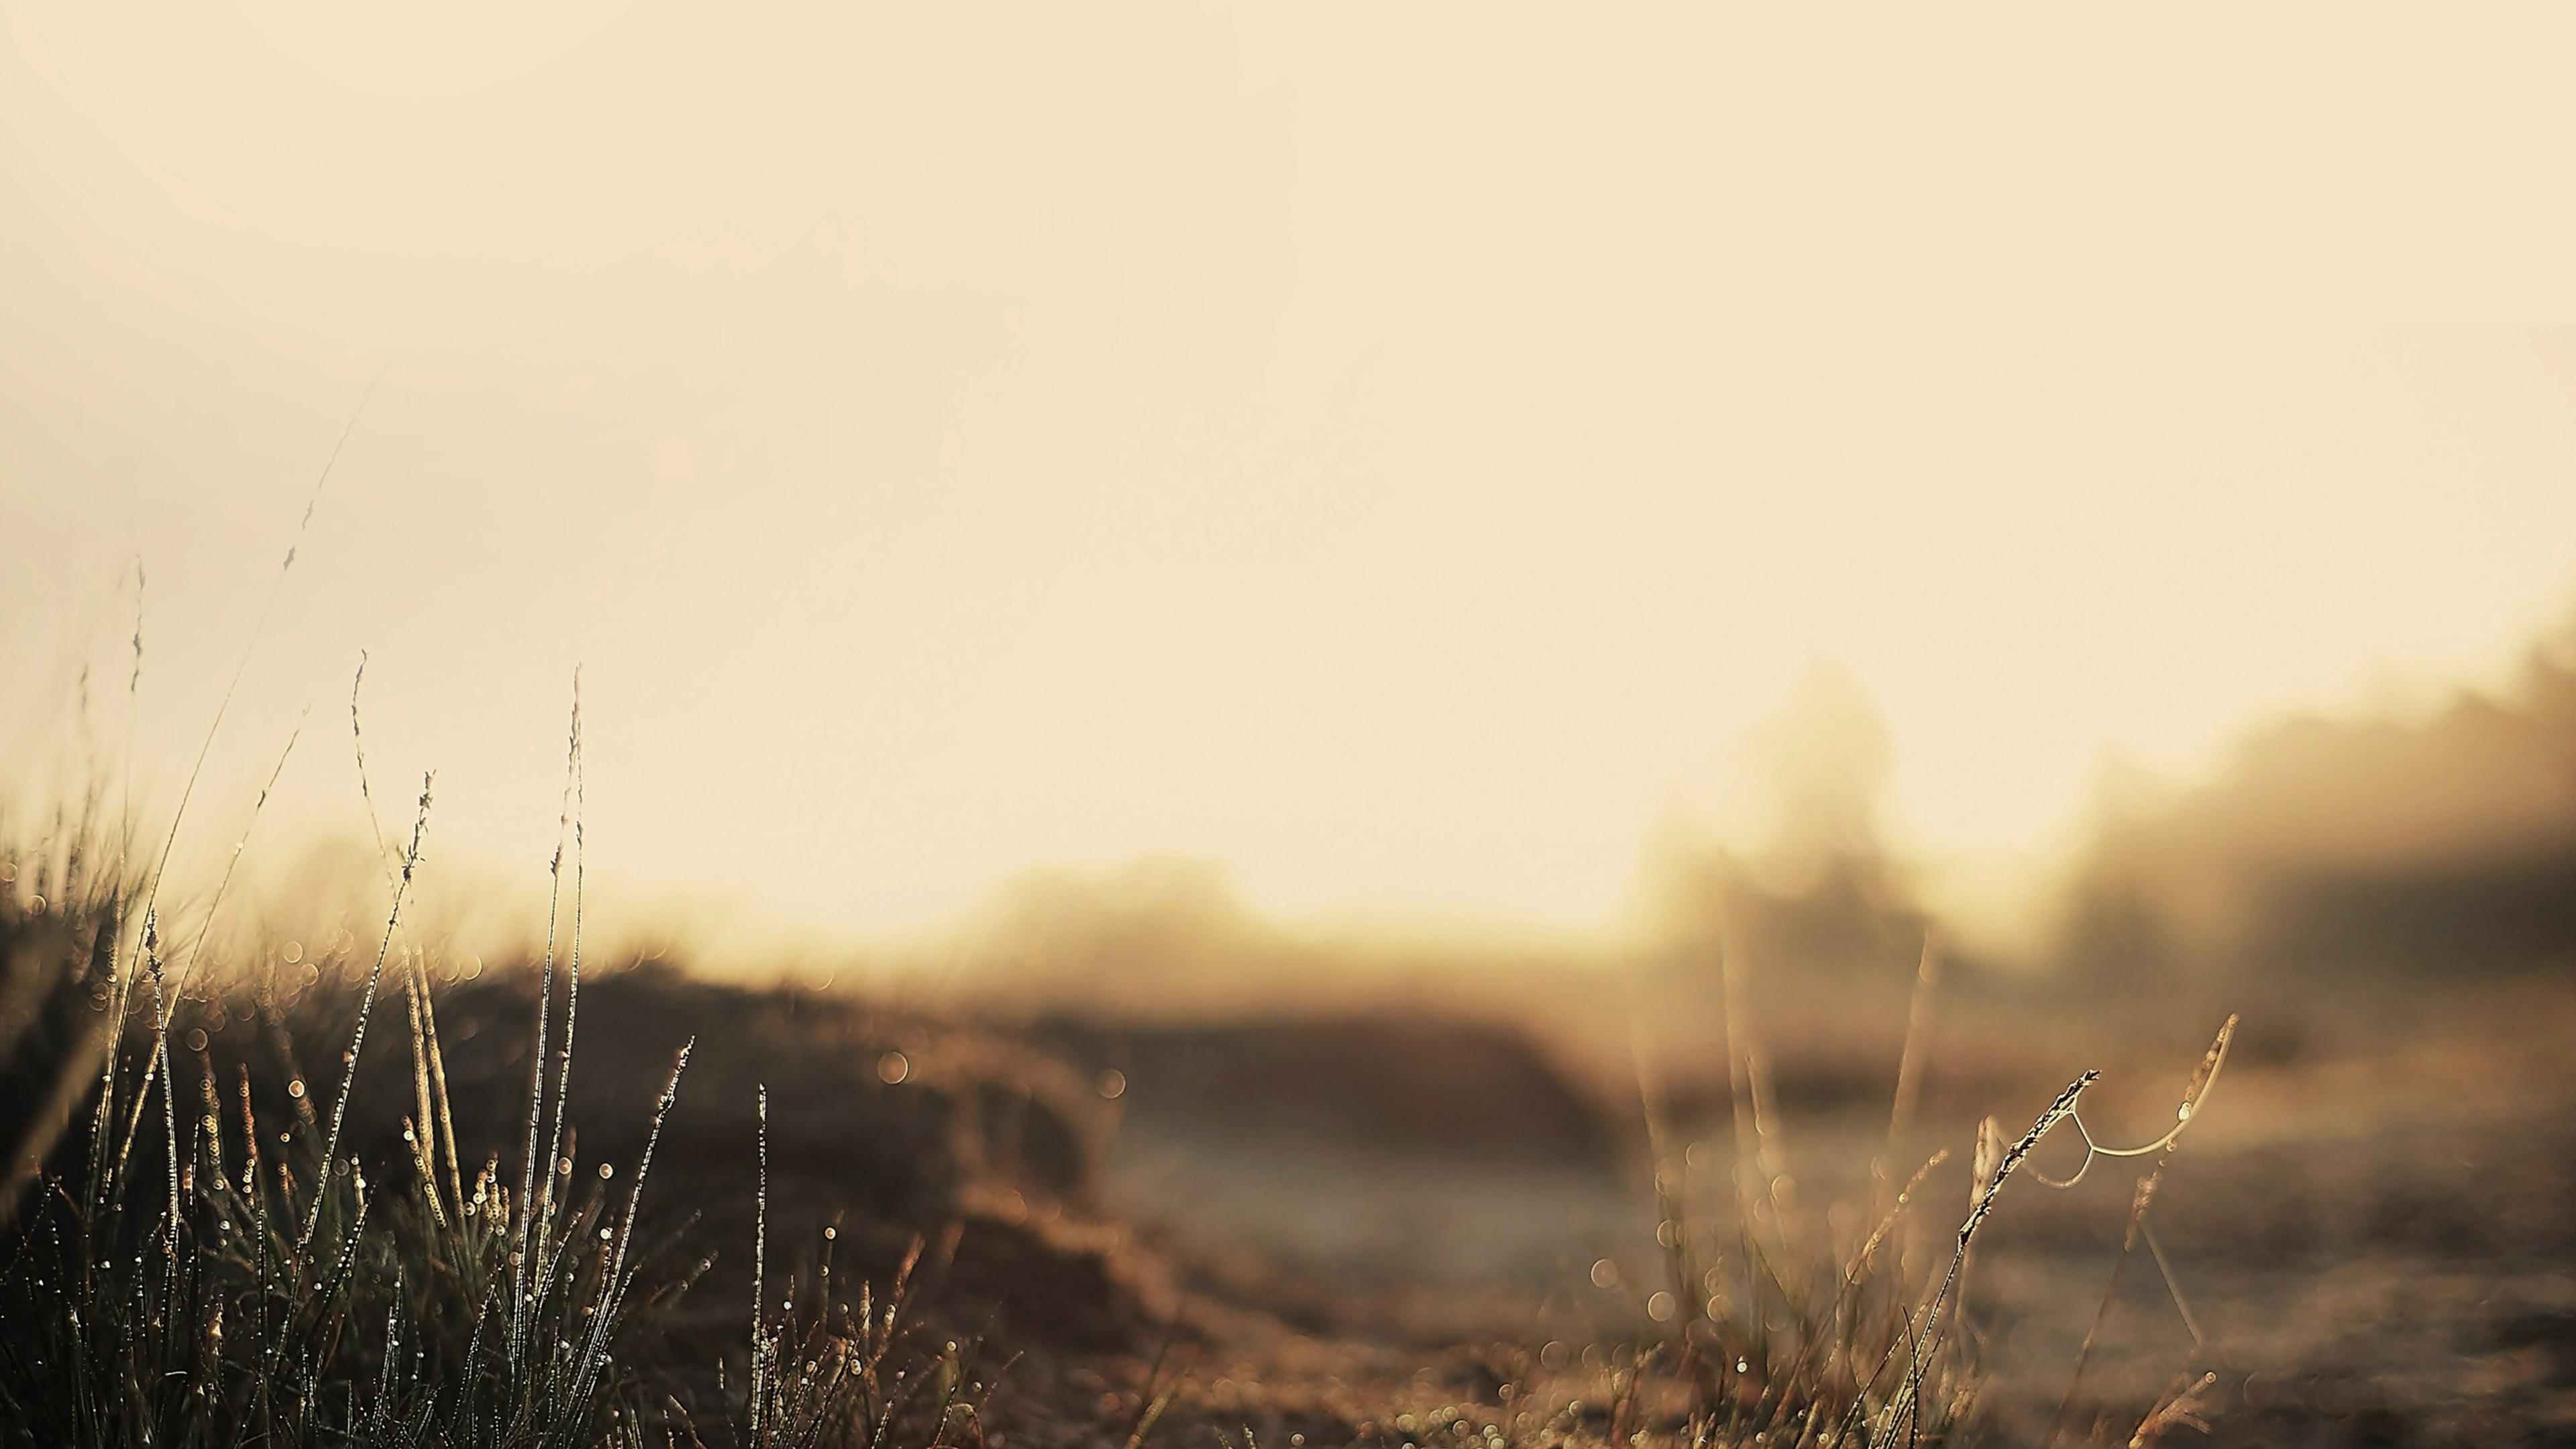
1395, 450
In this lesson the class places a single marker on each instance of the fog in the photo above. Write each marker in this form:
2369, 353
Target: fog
1402, 460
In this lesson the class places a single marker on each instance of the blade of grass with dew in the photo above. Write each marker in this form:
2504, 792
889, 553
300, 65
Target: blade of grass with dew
1922, 1334
524, 1210
366, 1008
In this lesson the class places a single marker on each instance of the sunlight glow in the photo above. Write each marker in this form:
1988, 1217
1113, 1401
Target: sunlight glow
1407, 500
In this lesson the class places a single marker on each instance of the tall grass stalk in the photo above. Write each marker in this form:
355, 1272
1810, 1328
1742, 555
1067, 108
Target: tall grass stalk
367, 1006
1856, 1348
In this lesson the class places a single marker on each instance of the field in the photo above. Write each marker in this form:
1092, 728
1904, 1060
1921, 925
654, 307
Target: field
2369, 1231
1414, 1217
1341, 726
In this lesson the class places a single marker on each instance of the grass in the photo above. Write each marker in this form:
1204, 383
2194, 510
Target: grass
199, 1258
201, 1252
1785, 1339
204, 1265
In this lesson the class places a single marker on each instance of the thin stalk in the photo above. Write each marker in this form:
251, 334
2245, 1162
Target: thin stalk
366, 1008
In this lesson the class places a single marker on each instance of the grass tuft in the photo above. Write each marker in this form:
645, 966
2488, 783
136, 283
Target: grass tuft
258, 1284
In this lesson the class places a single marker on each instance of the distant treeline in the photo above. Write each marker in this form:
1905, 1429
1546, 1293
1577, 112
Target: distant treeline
2445, 842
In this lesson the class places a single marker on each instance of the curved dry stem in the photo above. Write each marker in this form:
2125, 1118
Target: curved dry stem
2195, 1094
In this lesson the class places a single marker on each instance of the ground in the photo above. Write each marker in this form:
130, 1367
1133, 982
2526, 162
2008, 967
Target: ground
2369, 1227
1432, 1219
